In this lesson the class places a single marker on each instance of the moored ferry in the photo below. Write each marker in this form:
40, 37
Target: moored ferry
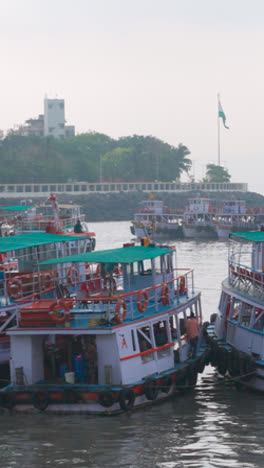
236, 334
109, 352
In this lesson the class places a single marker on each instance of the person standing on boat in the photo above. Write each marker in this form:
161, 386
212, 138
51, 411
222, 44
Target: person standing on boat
78, 227
192, 331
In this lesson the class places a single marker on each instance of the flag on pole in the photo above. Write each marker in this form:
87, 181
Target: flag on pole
221, 113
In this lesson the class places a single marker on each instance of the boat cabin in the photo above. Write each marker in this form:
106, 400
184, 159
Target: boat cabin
199, 206
133, 329
236, 207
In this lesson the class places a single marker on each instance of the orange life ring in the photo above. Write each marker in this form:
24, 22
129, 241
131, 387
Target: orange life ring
47, 280
70, 277
142, 305
108, 283
10, 285
57, 307
165, 294
182, 285
120, 317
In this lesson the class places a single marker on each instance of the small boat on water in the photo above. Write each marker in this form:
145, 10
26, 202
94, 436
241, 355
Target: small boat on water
236, 334
49, 217
153, 219
106, 353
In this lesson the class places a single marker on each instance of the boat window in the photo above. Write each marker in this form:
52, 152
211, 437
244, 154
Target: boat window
145, 344
246, 314
160, 333
258, 319
236, 310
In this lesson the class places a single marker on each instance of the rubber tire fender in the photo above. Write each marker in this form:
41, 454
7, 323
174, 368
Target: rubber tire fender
151, 389
166, 384
106, 398
126, 399
40, 400
7, 400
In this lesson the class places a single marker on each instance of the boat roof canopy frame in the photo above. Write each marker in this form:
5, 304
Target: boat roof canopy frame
251, 236
33, 239
121, 255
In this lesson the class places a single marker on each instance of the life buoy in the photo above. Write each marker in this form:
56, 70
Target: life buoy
17, 284
73, 271
120, 317
151, 389
110, 284
47, 280
106, 398
165, 294
182, 286
126, 399
142, 305
40, 400
55, 310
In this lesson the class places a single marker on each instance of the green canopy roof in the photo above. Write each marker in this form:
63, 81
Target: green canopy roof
251, 236
123, 255
16, 208
32, 239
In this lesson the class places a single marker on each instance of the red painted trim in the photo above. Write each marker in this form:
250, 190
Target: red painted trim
168, 345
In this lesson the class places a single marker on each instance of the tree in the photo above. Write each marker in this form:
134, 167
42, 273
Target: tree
216, 174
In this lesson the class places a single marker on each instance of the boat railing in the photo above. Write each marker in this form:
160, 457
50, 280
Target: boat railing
246, 279
112, 308
40, 223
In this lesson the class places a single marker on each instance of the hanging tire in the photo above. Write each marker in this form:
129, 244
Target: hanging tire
126, 399
222, 361
151, 389
247, 367
234, 364
166, 384
201, 364
40, 400
7, 400
191, 377
106, 398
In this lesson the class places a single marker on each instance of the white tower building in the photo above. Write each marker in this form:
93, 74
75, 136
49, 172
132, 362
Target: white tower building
54, 118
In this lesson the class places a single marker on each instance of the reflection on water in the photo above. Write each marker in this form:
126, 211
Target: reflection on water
212, 426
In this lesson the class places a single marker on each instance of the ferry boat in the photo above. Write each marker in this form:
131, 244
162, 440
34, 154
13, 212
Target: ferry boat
153, 219
199, 219
236, 334
108, 353
235, 217
48, 217
19, 283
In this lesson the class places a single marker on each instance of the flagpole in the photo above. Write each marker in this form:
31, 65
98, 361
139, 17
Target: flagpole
218, 126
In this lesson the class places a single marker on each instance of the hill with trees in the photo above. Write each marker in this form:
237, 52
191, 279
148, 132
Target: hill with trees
89, 156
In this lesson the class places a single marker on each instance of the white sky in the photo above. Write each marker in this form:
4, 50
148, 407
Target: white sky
148, 67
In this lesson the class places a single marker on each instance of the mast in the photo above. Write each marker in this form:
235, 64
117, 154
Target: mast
218, 128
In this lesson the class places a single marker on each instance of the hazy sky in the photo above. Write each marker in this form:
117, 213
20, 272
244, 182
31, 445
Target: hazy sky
148, 67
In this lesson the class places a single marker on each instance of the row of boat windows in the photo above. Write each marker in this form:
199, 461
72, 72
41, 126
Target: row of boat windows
247, 315
158, 334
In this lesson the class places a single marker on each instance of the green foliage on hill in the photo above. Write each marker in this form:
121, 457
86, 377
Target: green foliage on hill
133, 158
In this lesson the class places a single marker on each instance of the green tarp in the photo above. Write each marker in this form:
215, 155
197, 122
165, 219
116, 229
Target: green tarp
16, 208
251, 236
33, 239
123, 255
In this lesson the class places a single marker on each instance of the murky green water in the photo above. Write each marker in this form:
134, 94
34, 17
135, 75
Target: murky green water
212, 426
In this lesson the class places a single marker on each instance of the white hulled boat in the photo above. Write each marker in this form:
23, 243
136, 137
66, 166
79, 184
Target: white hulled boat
237, 334
108, 352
